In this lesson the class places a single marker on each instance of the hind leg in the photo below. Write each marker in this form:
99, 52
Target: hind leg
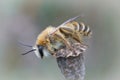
64, 40
78, 38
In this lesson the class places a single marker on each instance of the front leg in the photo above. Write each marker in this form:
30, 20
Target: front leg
49, 47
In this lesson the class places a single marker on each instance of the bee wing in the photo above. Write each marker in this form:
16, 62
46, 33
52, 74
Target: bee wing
69, 20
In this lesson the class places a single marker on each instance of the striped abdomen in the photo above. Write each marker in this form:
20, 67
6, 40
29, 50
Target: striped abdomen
74, 26
82, 28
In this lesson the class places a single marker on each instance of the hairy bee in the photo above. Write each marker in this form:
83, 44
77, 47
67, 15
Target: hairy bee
49, 37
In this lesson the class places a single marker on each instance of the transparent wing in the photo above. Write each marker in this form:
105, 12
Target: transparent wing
69, 20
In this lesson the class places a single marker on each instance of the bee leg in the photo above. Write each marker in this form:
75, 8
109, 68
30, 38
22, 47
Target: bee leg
60, 36
50, 49
52, 52
78, 37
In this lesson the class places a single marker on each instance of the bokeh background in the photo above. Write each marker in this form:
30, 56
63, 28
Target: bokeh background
23, 20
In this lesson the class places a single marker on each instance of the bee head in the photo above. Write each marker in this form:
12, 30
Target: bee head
39, 50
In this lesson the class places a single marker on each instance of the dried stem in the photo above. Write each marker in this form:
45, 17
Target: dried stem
71, 62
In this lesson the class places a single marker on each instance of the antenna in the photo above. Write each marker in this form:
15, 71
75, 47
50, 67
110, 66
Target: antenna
25, 44
28, 52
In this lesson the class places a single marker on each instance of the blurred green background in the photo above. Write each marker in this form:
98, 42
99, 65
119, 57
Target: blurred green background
23, 20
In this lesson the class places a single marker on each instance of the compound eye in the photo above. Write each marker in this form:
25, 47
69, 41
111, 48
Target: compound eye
40, 50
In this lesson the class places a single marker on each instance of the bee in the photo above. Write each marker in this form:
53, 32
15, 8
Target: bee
51, 35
